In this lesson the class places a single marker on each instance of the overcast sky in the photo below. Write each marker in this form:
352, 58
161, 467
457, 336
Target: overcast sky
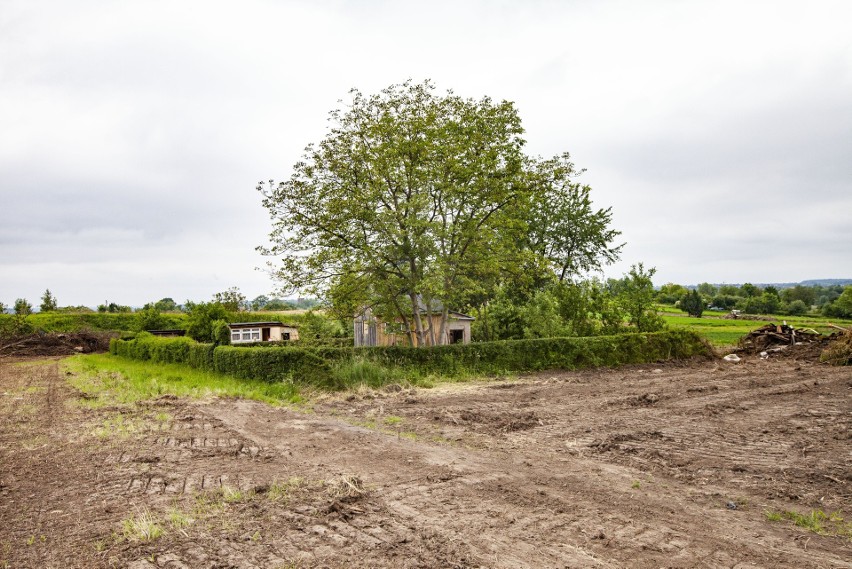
133, 134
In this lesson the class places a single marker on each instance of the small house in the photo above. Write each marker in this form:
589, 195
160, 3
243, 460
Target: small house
248, 332
371, 331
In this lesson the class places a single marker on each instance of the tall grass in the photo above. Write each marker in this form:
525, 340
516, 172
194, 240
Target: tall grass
108, 380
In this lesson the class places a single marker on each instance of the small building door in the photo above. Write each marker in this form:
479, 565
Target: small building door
456, 336
265, 334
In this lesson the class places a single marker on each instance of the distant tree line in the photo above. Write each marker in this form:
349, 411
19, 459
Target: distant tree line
828, 300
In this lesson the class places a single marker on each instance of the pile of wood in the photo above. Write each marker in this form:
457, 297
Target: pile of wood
776, 335
54, 344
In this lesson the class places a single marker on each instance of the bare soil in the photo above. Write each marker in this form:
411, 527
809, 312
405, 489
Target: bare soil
649, 466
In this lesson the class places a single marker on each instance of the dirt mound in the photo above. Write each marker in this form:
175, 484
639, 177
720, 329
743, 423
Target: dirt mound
55, 344
839, 349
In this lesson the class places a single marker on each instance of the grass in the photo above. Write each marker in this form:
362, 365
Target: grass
360, 373
119, 426
144, 526
817, 521
723, 332
109, 380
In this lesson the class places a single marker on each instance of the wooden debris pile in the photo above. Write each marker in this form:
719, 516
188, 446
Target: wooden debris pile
777, 335
54, 344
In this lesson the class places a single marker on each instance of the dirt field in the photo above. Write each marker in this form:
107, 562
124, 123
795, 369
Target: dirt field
652, 466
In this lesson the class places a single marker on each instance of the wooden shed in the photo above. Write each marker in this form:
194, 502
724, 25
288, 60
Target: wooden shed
247, 332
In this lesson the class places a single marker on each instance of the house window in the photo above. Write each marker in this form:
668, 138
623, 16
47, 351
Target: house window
246, 335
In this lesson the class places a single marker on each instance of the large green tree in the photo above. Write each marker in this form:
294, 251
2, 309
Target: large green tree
417, 200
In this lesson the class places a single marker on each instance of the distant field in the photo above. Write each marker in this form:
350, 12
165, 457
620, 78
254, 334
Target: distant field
723, 332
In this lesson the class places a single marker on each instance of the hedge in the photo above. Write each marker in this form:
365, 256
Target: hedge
316, 366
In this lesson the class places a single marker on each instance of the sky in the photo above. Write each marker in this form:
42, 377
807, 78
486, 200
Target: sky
133, 134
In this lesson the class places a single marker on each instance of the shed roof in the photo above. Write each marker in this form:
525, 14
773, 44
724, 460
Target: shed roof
260, 325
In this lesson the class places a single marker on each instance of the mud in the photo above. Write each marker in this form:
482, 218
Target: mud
652, 466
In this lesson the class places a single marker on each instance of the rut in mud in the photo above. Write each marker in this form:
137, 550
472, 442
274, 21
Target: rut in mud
670, 466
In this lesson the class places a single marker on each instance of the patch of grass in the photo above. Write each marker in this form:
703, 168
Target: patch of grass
391, 420
817, 521
281, 491
107, 380
636, 485
118, 426
178, 519
144, 526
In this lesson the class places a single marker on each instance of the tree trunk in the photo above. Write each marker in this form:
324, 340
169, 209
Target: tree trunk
418, 321
442, 334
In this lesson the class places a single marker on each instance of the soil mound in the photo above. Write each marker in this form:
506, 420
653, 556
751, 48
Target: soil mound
55, 344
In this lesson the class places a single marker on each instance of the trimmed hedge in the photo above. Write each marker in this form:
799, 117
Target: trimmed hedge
316, 366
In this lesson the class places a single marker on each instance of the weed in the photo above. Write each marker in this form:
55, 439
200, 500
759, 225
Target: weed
31, 540
391, 420
636, 485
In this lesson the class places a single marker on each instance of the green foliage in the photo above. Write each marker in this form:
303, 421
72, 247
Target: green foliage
796, 308
806, 294
842, 307
583, 308
707, 290
725, 301
635, 292
232, 299
113, 308
278, 304
412, 197
201, 318
166, 305
563, 227
150, 319
316, 329
749, 290
48, 302
692, 303
338, 368
670, 293
220, 332
23, 307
